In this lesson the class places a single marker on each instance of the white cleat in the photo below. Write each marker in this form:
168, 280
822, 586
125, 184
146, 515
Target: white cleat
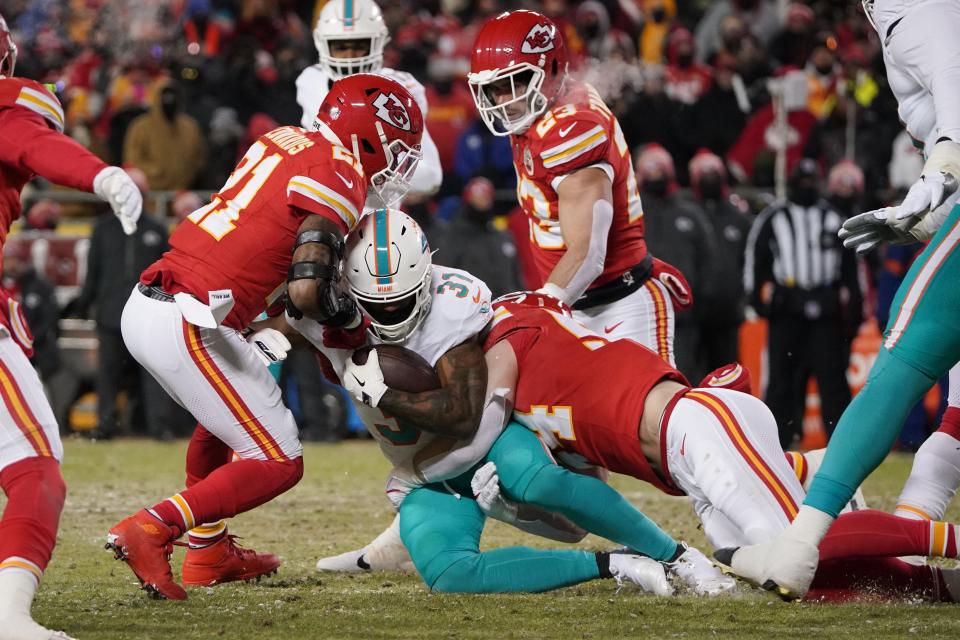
349, 562
23, 627
644, 572
696, 571
783, 565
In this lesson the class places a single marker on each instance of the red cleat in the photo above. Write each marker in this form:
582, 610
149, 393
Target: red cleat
226, 561
146, 544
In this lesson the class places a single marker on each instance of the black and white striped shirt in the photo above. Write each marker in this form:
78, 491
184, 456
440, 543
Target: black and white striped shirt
795, 247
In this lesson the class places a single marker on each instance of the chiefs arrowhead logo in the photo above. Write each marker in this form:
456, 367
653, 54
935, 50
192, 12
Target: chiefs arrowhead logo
539, 39
391, 110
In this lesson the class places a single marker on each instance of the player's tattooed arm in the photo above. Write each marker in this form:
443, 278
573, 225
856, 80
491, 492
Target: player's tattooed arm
456, 407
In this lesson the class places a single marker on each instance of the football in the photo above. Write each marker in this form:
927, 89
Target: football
403, 369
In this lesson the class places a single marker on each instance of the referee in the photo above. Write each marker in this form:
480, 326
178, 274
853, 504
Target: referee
798, 275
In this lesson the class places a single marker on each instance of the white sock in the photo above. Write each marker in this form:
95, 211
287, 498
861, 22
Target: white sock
814, 459
386, 552
933, 479
809, 526
17, 588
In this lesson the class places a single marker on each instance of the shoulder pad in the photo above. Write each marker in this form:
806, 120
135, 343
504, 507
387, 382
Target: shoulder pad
21, 92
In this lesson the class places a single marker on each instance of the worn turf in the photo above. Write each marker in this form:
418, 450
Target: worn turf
339, 505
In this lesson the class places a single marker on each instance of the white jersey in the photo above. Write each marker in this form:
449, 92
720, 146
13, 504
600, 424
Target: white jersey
459, 311
921, 49
314, 82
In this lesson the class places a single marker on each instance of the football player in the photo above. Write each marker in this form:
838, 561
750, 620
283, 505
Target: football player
922, 338
575, 183
32, 143
437, 439
277, 222
715, 445
350, 37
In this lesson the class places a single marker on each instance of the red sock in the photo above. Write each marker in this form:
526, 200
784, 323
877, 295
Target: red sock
872, 533
798, 463
231, 489
205, 454
35, 494
845, 579
950, 422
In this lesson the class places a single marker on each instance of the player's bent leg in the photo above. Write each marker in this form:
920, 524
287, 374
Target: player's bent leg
386, 552
528, 474
217, 377
886, 579
443, 531
28, 530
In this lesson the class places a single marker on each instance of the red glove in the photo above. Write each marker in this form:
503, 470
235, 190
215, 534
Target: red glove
339, 338
672, 278
729, 376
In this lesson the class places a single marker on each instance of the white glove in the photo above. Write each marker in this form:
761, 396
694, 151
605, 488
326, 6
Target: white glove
486, 491
365, 381
270, 345
865, 231
925, 195
115, 186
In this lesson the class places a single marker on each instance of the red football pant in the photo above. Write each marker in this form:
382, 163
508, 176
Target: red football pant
845, 579
872, 533
35, 493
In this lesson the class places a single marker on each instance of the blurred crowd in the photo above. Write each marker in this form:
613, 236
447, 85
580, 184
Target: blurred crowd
177, 89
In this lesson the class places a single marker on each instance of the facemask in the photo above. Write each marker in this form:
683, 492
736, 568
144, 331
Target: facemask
685, 59
805, 196
168, 104
659, 14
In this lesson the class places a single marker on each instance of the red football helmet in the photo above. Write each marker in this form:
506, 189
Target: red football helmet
8, 51
521, 51
356, 109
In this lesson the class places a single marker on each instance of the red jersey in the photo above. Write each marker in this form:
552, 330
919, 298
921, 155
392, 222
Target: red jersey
582, 393
32, 144
243, 239
579, 131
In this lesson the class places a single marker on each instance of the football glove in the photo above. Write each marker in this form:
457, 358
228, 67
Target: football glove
672, 278
115, 186
865, 231
486, 491
270, 345
365, 381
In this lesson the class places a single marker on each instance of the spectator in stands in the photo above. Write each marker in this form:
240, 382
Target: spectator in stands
480, 153
718, 117
451, 111
760, 16
799, 276
165, 143
593, 25
490, 253
114, 263
36, 295
658, 18
685, 79
823, 75
719, 305
794, 43
676, 232
661, 120
225, 139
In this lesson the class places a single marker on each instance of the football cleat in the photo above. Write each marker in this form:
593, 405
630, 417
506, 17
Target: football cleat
23, 627
696, 571
642, 571
385, 553
226, 561
784, 565
146, 544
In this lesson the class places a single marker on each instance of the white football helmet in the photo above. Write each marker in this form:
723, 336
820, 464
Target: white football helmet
351, 20
387, 267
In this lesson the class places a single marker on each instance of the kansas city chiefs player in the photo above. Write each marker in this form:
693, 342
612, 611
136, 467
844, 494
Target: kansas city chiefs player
350, 36
32, 143
295, 193
715, 445
575, 182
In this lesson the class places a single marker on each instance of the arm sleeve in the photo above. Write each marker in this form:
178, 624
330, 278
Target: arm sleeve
30, 145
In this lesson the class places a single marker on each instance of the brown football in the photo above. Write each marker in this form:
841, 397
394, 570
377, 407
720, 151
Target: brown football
403, 369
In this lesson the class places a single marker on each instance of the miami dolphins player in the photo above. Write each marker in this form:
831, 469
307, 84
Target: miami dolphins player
442, 463
922, 338
350, 36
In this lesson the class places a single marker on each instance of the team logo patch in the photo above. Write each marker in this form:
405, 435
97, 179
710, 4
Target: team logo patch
538, 40
528, 161
391, 110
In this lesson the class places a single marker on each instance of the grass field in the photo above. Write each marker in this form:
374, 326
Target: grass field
339, 505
